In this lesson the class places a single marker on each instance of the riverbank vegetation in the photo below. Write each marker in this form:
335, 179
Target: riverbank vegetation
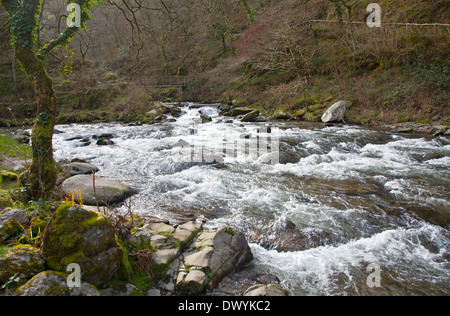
286, 58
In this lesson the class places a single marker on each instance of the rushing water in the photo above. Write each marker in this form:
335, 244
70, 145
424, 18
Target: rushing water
339, 200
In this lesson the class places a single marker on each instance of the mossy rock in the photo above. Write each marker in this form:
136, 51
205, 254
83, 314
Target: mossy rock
53, 283
5, 200
87, 238
9, 223
22, 261
7, 177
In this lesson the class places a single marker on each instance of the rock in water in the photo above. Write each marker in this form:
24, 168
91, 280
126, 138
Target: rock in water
76, 168
251, 117
211, 257
86, 238
335, 113
108, 192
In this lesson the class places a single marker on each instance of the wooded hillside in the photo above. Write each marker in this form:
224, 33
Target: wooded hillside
287, 58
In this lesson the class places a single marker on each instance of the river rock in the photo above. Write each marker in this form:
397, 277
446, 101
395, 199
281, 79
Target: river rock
193, 259
87, 238
335, 113
22, 261
105, 142
211, 257
265, 290
205, 118
250, 117
240, 111
9, 223
52, 283
77, 168
108, 192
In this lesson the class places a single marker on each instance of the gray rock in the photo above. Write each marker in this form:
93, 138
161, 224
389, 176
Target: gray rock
335, 113
86, 238
215, 253
240, 111
77, 168
205, 118
265, 290
250, 117
105, 142
9, 223
108, 192
51, 283
23, 261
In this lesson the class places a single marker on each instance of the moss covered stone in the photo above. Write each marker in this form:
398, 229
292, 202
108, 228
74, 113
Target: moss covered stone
6, 177
52, 283
9, 223
5, 200
75, 235
23, 261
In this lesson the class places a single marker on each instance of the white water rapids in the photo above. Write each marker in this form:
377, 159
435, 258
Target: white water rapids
340, 199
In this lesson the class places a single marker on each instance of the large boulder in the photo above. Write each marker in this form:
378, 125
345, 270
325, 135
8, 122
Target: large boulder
22, 261
211, 257
10, 221
335, 113
87, 238
52, 283
107, 192
188, 259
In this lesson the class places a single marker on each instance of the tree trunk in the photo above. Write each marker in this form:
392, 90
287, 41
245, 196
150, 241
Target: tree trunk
42, 175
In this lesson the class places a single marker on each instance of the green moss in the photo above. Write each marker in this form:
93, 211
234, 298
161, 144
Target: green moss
126, 269
26, 268
78, 236
5, 200
141, 280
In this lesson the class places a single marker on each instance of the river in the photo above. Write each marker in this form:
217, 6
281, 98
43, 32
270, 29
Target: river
336, 208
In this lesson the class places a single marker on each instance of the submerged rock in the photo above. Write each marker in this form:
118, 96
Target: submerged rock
107, 192
265, 290
87, 238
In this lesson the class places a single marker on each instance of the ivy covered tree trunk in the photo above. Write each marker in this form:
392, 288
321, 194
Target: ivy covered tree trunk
42, 175
23, 23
